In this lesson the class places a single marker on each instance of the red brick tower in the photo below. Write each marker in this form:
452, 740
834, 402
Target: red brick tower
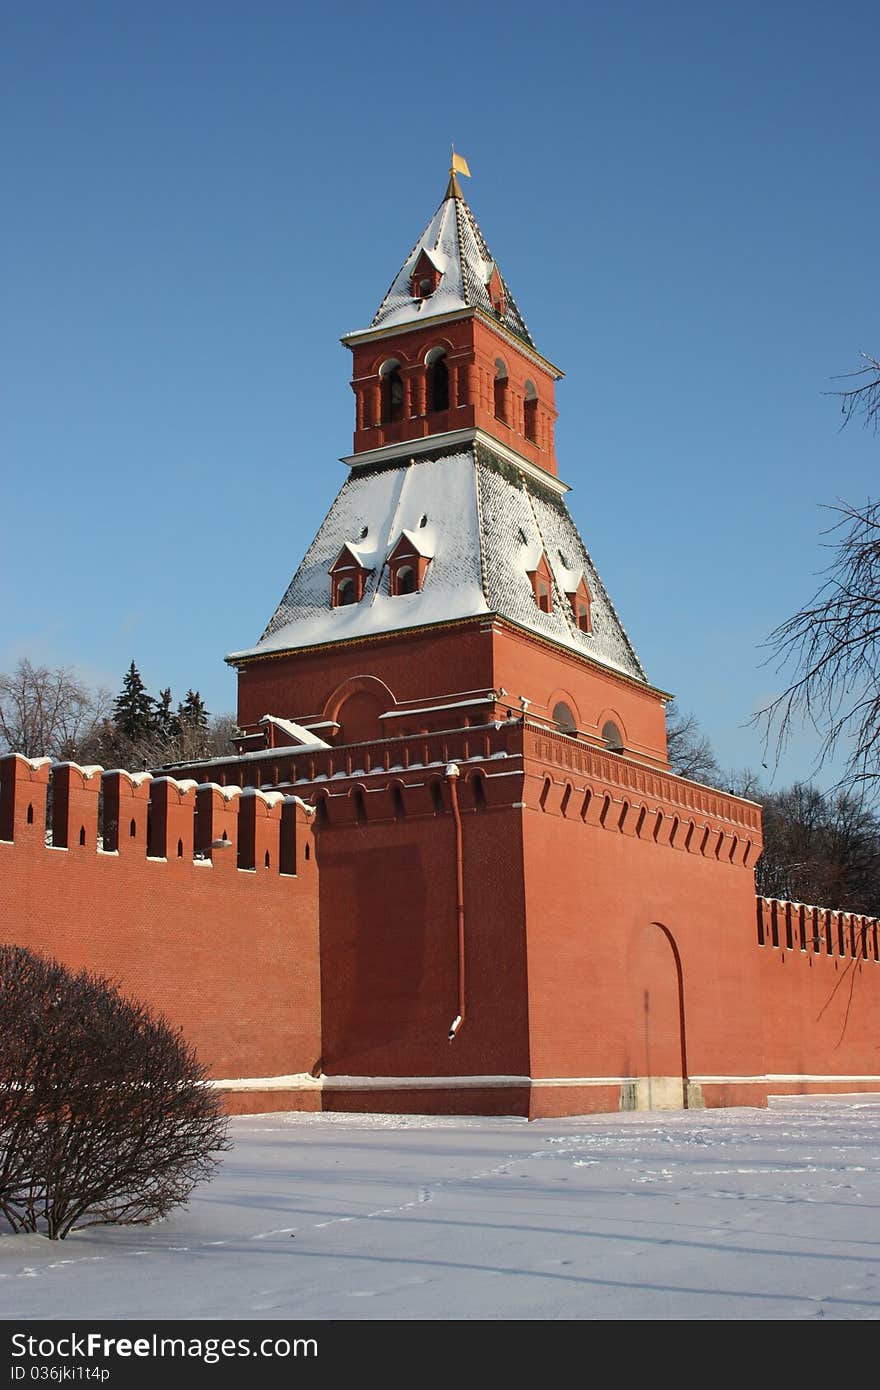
448, 584
504, 858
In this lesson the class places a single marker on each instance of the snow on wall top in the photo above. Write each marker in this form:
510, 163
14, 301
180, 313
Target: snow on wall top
454, 243
486, 529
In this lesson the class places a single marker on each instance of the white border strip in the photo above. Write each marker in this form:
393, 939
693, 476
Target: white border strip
304, 1081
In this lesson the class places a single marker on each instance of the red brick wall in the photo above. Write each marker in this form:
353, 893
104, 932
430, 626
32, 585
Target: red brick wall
603, 985
412, 666
547, 674
820, 991
229, 956
389, 978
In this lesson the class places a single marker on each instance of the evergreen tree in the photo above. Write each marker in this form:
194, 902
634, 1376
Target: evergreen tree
134, 711
192, 727
192, 712
167, 722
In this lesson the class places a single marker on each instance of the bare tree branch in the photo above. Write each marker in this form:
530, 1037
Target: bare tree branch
831, 647
863, 399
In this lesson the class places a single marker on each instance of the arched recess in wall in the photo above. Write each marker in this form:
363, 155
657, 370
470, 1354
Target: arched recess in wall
656, 1016
356, 705
612, 731
564, 712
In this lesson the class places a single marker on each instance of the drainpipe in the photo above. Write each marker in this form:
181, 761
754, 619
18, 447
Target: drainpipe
452, 776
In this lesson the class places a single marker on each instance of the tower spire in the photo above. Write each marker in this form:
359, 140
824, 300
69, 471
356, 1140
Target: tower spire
459, 165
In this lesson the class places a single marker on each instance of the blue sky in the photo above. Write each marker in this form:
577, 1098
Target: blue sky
200, 198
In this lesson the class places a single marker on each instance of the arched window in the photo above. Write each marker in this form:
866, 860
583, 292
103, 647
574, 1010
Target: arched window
346, 592
500, 390
582, 614
405, 580
611, 737
392, 392
564, 719
437, 380
530, 412
543, 595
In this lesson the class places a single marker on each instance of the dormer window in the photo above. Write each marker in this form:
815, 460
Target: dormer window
426, 276
542, 585
408, 562
348, 577
495, 290
403, 580
580, 606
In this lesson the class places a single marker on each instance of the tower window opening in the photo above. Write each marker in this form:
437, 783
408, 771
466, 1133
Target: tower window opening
530, 413
500, 391
582, 615
404, 580
345, 593
543, 596
30, 813
438, 380
425, 288
392, 393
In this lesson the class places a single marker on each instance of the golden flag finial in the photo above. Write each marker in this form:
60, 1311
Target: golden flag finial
459, 165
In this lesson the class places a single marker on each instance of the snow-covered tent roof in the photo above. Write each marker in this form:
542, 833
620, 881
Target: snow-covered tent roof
453, 243
484, 525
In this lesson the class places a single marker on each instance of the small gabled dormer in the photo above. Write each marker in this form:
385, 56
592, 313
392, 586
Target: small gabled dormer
542, 584
348, 576
495, 290
427, 274
408, 561
580, 601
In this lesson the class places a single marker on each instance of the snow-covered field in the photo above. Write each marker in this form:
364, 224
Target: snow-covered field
709, 1214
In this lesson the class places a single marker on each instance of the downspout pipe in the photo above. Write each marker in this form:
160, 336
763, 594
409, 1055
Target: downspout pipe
452, 776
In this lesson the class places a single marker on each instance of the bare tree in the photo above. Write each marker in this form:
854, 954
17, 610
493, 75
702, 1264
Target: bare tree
832, 650
863, 399
689, 750
104, 1111
820, 849
47, 713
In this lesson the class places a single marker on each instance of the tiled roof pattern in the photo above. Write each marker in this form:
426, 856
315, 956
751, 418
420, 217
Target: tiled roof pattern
484, 525
520, 521
453, 231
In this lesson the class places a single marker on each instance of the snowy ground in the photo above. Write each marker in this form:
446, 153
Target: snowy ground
742, 1214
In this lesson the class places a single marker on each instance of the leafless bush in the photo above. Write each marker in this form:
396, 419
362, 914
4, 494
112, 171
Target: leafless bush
104, 1111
